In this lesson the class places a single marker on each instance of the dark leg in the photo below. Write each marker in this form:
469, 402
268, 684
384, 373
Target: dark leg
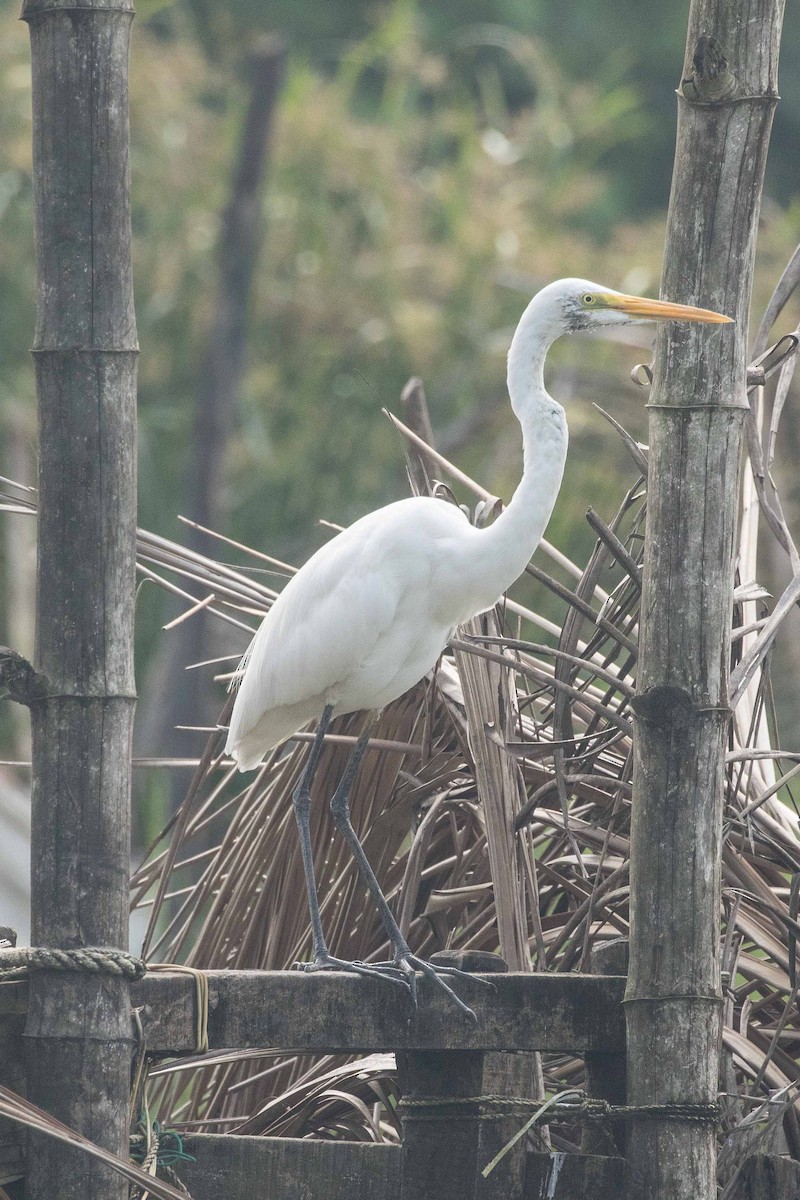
301, 800
403, 959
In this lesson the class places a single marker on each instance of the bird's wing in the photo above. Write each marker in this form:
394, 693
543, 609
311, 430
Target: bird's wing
367, 615
327, 620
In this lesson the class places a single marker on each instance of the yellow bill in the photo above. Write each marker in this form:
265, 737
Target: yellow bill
663, 310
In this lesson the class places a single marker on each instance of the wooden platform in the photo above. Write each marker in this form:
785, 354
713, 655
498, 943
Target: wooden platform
341, 1013
260, 1168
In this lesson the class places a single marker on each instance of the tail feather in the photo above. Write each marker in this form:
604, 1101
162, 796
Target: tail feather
249, 749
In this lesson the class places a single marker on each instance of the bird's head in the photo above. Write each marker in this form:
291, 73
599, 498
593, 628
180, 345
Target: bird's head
571, 305
579, 304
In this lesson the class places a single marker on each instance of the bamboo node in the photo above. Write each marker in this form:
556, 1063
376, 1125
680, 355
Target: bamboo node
662, 705
666, 705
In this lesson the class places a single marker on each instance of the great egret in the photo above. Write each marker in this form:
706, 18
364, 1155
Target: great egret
370, 613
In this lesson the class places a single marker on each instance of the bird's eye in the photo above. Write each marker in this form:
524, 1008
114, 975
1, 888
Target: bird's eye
588, 298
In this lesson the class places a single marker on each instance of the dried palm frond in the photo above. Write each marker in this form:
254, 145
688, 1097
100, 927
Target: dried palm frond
16, 1108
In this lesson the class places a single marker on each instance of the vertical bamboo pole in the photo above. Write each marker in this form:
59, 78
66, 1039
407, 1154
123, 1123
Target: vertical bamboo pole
78, 1029
673, 1004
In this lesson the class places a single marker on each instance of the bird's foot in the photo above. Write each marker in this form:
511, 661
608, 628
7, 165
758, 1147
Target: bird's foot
401, 970
327, 962
408, 963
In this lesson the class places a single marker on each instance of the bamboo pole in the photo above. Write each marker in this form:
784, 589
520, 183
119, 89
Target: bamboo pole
78, 1032
673, 1001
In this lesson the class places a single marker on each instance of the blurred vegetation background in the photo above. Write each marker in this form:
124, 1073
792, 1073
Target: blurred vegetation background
430, 166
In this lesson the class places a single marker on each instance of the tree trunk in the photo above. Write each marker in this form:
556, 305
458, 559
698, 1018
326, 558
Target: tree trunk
181, 697
673, 1001
78, 1032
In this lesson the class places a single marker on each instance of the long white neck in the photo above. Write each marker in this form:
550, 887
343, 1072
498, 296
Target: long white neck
506, 546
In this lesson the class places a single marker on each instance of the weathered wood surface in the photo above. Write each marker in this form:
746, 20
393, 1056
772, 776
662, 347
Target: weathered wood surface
573, 1177
698, 403
265, 1168
445, 1149
12, 1075
78, 1031
768, 1177
256, 1168
441, 1147
492, 1057
334, 1013
514, 1075
341, 1013
606, 1071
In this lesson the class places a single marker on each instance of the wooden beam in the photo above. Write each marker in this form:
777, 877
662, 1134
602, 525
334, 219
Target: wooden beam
260, 1168
333, 1013
606, 1073
573, 1177
768, 1177
570, 1013
441, 1145
250, 1168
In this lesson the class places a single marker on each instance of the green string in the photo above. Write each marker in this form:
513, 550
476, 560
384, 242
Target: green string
170, 1146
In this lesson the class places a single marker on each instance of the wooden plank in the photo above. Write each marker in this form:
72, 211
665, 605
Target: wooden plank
340, 1013
264, 1168
514, 1074
440, 1150
768, 1177
606, 1077
560, 1013
573, 1177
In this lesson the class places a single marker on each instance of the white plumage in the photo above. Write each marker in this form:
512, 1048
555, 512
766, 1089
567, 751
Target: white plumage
363, 620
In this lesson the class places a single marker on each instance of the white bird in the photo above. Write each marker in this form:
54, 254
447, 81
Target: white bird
370, 613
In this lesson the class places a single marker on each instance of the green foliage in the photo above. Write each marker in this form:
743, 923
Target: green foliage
399, 232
